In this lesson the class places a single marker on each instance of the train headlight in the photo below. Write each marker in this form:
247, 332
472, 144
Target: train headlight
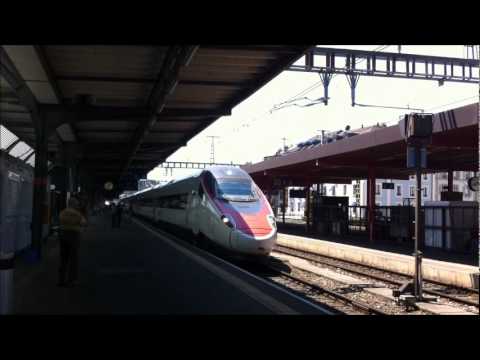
272, 221
227, 221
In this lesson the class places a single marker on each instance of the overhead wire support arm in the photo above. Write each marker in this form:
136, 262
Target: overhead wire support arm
325, 76
352, 79
190, 165
388, 64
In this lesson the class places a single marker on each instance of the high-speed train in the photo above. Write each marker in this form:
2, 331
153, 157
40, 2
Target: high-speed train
221, 204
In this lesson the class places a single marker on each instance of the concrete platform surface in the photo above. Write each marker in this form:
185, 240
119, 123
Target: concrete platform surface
132, 271
441, 271
439, 309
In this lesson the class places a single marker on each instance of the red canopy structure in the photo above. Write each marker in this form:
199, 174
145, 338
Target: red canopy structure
379, 152
381, 149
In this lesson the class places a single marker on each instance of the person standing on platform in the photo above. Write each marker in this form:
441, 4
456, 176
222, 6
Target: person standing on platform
114, 215
119, 214
72, 223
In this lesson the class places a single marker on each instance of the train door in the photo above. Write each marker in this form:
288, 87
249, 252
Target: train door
209, 213
192, 204
198, 215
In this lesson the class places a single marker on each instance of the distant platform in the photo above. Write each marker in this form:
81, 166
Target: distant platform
298, 227
449, 273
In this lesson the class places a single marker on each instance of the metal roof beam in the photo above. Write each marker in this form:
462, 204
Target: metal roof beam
17, 83
192, 112
58, 115
284, 64
145, 80
69, 128
211, 83
48, 70
126, 131
12, 145
176, 58
80, 113
386, 64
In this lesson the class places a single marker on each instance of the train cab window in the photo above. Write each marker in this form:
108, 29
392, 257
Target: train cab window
238, 189
209, 183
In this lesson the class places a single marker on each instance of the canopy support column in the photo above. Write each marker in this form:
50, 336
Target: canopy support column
371, 203
450, 180
307, 206
39, 212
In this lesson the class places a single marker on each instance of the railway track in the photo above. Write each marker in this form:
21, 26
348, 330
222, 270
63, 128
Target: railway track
332, 298
302, 284
384, 276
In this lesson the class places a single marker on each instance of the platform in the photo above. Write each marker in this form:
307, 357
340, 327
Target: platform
298, 227
132, 270
445, 272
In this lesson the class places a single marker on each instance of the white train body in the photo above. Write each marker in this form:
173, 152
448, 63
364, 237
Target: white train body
222, 203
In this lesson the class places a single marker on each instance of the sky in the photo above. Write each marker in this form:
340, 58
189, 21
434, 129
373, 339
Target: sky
252, 131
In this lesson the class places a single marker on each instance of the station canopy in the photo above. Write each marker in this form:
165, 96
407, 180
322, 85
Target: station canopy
128, 108
383, 149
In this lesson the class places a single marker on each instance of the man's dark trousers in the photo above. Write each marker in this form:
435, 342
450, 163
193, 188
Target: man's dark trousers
69, 253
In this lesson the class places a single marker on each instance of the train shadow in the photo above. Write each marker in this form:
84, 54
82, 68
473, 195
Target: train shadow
266, 267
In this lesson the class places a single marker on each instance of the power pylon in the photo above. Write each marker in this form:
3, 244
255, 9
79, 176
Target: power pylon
212, 149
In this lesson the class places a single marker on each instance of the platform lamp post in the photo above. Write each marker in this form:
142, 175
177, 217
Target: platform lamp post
417, 129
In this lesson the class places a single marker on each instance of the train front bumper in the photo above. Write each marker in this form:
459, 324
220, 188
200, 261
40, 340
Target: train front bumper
253, 245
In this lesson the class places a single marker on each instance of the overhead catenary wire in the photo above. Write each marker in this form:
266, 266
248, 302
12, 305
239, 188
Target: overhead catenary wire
454, 102
296, 97
389, 107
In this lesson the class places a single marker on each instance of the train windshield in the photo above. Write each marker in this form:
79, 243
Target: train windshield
236, 189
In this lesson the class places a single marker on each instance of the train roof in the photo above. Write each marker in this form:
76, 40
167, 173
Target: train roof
186, 182
223, 171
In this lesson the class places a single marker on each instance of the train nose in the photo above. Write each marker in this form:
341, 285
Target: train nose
252, 244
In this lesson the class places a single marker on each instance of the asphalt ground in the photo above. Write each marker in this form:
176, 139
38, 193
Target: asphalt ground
131, 270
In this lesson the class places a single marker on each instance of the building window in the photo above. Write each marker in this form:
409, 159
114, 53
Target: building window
425, 177
377, 189
455, 187
412, 191
425, 192
412, 177
344, 189
333, 190
399, 190
324, 190
298, 207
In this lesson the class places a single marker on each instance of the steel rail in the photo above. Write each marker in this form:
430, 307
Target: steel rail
338, 296
377, 277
